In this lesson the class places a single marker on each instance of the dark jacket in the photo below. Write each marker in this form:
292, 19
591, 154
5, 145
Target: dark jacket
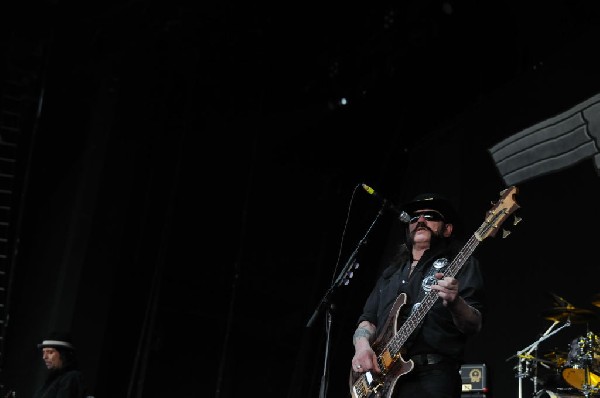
62, 384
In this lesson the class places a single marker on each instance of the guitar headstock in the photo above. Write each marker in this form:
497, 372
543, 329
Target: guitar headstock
498, 214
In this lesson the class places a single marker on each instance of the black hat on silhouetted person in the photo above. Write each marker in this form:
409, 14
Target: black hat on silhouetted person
58, 340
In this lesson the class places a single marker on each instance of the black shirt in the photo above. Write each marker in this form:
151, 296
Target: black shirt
437, 332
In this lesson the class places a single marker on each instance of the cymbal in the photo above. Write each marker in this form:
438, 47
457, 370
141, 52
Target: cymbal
558, 358
596, 300
574, 315
532, 358
559, 301
555, 354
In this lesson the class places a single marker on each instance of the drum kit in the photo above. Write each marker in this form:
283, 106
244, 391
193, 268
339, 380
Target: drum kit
571, 373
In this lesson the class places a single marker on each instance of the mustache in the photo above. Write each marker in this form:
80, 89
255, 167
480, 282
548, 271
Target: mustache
423, 224
420, 225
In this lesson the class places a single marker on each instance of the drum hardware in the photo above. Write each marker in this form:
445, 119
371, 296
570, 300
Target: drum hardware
582, 369
526, 360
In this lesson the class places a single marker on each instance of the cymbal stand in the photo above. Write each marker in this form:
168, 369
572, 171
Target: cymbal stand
586, 388
522, 355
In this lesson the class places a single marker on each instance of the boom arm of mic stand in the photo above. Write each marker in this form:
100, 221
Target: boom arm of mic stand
341, 277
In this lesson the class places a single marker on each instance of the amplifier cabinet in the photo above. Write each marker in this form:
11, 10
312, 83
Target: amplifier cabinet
474, 380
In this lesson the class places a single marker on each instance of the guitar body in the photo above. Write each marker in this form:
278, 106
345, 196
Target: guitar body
370, 384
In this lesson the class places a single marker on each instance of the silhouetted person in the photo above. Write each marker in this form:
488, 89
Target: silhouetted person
64, 379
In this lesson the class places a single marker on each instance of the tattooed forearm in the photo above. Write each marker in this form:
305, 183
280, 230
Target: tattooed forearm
362, 332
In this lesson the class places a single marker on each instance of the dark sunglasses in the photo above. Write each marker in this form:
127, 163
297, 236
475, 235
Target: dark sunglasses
429, 215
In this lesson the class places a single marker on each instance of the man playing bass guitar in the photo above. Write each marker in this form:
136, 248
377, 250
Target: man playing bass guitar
427, 363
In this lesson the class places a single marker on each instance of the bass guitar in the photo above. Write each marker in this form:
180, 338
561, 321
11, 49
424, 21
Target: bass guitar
389, 344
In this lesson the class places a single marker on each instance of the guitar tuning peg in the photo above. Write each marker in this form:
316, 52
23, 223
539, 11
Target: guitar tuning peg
505, 233
517, 220
356, 265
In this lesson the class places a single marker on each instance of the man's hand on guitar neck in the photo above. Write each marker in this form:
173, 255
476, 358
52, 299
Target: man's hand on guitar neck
447, 288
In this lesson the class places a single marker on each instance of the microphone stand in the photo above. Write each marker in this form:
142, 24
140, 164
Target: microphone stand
342, 279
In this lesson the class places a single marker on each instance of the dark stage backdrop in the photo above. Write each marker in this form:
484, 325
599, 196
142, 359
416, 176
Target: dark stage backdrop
186, 207
548, 253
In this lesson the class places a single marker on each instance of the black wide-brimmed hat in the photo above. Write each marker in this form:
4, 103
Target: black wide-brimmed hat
433, 201
58, 340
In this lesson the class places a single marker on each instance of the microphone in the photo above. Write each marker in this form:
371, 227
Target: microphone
403, 216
